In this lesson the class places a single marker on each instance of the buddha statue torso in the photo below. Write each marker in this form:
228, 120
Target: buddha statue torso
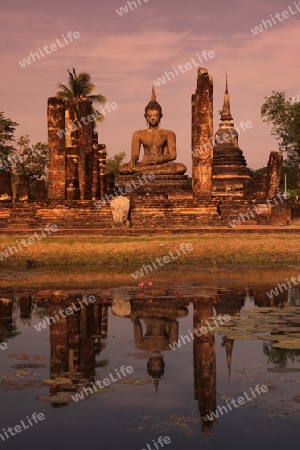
159, 146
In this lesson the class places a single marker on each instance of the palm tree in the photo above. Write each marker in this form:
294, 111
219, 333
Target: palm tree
80, 88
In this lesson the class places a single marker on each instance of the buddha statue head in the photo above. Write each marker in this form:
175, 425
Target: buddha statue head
153, 111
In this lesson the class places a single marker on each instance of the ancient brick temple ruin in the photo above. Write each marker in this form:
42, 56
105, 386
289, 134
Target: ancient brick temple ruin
77, 162
80, 191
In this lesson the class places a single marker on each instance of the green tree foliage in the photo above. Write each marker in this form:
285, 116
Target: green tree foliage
30, 160
113, 163
7, 130
80, 88
284, 117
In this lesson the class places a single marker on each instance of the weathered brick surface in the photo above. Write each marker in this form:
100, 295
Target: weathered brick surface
57, 145
40, 190
5, 186
74, 169
273, 174
202, 136
23, 188
229, 167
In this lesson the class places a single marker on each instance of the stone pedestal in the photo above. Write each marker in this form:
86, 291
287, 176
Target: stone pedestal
137, 184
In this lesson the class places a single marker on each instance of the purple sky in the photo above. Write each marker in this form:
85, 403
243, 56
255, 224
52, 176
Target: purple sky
125, 54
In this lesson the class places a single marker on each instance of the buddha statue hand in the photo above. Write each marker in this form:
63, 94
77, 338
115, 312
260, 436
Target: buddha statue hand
131, 165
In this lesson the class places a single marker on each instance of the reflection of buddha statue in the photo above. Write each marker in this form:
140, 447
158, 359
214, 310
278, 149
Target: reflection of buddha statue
159, 146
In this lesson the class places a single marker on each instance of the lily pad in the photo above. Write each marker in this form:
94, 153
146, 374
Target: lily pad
283, 369
24, 357
137, 381
104, 390
28, 366
274, 337
15, 385
57, 381
61, 398
289, 329
241, 337
295, 320
294, 335
294, 344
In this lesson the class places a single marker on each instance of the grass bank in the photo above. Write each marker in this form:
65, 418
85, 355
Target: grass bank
126, 253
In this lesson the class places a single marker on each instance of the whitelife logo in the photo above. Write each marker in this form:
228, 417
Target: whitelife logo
267, 23
53, 48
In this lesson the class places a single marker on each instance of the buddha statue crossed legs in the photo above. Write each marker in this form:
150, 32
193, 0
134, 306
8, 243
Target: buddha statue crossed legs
159, 146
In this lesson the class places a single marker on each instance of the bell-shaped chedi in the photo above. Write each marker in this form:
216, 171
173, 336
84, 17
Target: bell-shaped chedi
229, 167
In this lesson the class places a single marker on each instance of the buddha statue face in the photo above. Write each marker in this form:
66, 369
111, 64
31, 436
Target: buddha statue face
153, 117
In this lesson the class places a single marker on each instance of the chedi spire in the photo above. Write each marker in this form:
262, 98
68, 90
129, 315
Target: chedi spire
226, 113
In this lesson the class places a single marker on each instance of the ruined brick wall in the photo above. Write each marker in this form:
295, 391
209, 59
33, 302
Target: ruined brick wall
40, 190
273, 174
73, 169
57, 146
281, 213
202, 136
102, 154
23, 188
5, 186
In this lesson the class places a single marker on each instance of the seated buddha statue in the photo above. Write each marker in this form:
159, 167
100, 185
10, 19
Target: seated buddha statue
159, 146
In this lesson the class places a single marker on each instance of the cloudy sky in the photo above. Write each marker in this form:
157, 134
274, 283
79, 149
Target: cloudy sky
125, 54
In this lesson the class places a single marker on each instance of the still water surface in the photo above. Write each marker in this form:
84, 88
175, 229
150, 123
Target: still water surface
167, 393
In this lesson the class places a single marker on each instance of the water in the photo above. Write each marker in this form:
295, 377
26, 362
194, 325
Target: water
169, 393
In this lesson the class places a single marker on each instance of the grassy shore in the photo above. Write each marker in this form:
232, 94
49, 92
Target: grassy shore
125, 253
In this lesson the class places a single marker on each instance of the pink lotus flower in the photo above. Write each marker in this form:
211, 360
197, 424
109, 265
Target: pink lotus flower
141, 284
150, 283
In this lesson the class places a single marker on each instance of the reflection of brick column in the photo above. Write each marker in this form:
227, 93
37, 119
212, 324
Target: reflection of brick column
204, 362
202, 136
102, 168
104, 321
87, 350
273, 174
6, 319
59, 362
25, 307
57, 163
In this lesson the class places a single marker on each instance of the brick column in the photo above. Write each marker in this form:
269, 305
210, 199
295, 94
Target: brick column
202, 136
57, 145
